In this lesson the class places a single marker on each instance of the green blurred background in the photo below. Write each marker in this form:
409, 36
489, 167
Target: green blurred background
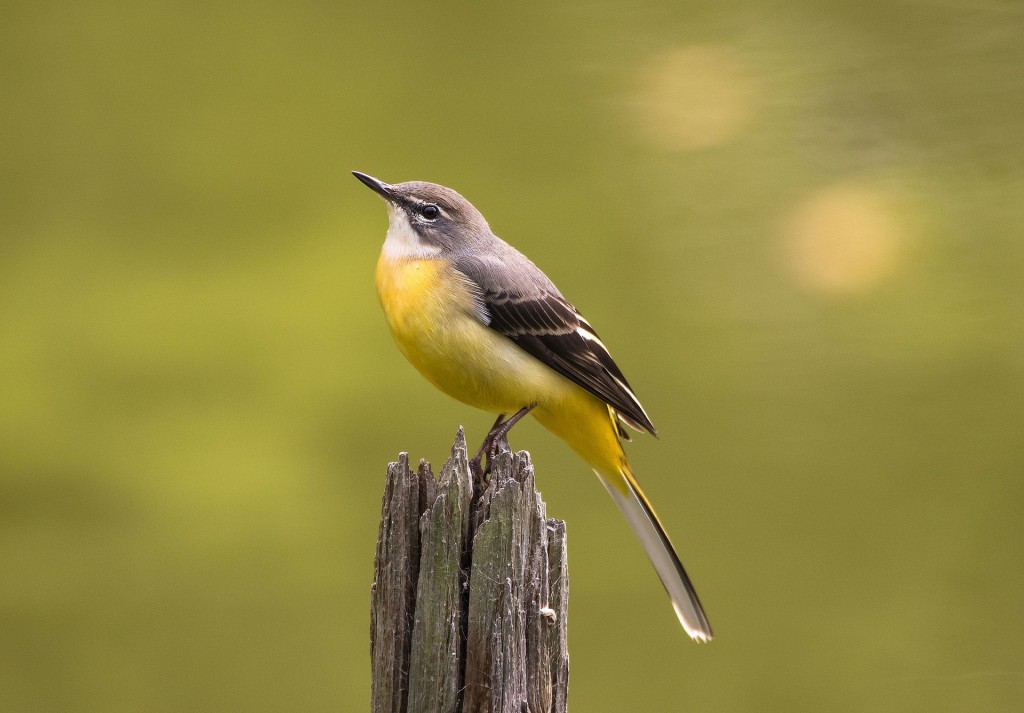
800, 228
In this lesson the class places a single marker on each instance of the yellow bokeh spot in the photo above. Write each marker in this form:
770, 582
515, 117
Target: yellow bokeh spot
842, 239
693, 97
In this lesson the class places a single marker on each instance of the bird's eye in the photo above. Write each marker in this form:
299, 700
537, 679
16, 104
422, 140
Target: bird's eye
430, 211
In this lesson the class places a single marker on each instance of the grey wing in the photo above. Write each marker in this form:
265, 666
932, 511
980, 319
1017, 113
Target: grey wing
520, 302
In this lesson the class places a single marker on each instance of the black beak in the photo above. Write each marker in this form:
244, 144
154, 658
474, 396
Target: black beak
384, 189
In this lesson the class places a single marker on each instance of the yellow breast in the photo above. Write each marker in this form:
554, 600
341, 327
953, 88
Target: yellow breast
420, 297
430, 308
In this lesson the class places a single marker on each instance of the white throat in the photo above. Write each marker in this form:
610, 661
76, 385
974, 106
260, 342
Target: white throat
402, 242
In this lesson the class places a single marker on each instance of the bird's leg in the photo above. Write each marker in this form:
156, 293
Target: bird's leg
498, 431
501, 430
475, 464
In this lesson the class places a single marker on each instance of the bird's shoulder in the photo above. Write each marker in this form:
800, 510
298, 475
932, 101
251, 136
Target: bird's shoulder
516, 299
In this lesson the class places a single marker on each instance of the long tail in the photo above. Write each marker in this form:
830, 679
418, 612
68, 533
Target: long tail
638, 511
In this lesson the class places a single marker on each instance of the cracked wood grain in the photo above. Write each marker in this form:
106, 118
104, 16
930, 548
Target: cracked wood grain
470, 592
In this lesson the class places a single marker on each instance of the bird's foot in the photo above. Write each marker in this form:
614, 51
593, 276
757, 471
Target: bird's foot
492, 443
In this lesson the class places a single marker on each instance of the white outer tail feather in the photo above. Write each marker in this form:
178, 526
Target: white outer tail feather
659, 549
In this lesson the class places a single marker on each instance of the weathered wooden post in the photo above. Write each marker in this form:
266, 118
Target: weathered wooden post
468, 605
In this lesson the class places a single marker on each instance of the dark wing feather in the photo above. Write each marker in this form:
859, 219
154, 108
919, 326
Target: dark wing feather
547, 326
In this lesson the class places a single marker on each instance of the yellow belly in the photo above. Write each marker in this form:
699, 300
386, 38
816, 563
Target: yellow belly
429, 308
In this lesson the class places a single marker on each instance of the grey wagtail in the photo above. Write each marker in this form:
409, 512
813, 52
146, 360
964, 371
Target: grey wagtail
486, 326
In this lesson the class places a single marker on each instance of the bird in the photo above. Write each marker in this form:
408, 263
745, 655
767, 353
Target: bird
482, 323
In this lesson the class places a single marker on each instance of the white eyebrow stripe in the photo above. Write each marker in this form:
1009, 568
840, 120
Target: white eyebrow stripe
419, 204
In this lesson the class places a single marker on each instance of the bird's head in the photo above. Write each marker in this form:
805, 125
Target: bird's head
427, 217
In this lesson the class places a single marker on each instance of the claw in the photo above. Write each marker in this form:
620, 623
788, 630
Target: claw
492, 443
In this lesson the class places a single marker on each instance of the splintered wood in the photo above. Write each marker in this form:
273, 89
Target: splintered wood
468, 605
